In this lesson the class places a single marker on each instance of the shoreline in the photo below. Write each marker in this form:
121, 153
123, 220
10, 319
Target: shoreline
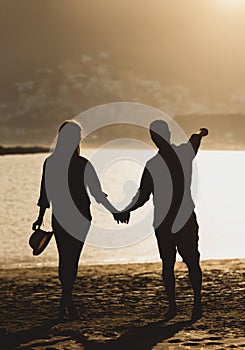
116, 264
21, 150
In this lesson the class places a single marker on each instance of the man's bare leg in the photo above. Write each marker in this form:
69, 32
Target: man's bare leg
169, 282
195, 275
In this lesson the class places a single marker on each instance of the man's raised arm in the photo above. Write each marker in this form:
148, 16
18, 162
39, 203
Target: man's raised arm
195, 139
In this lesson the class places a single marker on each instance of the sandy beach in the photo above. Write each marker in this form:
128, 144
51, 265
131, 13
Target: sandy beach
123, 308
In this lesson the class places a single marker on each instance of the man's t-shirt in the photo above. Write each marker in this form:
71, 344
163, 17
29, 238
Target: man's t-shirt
167, 176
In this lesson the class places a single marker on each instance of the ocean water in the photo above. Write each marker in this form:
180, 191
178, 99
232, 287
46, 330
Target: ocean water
219, 193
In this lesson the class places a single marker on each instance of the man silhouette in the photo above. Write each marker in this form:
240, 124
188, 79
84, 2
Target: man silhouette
167, 176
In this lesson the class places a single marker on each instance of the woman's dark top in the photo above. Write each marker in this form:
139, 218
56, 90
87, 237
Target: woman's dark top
81, 178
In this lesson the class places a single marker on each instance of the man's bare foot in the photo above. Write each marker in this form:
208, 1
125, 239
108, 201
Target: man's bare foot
196, 313
171, 313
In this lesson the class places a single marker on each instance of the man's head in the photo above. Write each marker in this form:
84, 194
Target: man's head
160, 133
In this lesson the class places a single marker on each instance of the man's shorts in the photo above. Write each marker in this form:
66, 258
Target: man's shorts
185, 240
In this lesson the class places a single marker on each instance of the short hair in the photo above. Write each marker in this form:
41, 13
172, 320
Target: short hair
161, 128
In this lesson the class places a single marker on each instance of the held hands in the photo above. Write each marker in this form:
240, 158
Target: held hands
122, 217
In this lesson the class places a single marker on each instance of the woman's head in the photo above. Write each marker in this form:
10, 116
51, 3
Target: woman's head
69, 137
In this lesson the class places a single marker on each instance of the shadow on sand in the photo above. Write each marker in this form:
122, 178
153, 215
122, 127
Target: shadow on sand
15, 339
144, 338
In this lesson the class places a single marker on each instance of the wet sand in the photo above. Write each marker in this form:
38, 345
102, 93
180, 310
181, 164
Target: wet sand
123, 308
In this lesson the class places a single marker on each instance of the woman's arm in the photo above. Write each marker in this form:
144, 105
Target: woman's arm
43, 202
93, 183
37, 224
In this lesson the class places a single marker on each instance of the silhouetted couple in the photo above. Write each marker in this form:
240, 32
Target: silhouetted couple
67, 178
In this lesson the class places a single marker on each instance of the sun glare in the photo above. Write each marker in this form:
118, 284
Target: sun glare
232, 2
230, 5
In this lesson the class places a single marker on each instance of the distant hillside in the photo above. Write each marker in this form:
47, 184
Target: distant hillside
54, 94
225, 132
22, 150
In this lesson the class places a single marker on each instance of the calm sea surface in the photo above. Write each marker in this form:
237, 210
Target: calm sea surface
219, 192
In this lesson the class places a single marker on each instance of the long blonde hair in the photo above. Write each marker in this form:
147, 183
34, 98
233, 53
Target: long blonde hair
69, 135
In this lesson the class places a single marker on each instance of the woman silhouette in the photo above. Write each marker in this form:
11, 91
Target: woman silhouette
66, 179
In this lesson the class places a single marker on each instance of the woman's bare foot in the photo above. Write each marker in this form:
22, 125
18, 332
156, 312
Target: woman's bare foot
171, 313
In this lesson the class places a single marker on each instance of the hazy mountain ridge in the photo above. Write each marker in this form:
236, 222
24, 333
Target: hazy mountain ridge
221, 136
72, 87
226, 131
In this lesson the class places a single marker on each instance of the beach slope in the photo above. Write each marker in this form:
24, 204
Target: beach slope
123, 308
